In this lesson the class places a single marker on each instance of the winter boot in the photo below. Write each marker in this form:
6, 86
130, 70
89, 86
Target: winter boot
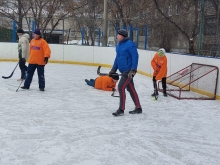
136, 111
155, 94
119, 112
165, 93
42, 89
24, 87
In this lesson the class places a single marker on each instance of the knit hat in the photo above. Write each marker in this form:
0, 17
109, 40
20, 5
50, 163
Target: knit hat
161, 52
123, 32
37, 31
115, 77
20, 30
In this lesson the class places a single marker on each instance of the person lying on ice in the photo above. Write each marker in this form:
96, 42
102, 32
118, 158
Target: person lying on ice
106, 83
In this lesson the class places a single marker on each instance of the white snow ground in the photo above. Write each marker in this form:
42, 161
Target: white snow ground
72, 124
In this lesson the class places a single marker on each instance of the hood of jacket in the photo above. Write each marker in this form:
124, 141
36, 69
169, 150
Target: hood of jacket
25, 36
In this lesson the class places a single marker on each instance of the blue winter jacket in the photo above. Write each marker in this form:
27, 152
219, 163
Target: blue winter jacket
126, 56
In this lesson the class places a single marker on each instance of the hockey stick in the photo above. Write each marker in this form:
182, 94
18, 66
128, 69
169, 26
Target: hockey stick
20, 84
106, 74
113, 94
11, 73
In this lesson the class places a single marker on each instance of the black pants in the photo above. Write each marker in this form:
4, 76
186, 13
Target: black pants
164, 84
30, 73
22, 67
128, 83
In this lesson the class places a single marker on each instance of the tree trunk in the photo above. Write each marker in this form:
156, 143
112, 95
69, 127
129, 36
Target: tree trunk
20, 17
191, 47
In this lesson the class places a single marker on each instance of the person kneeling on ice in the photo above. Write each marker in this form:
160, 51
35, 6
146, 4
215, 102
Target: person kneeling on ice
159, 64
106, 83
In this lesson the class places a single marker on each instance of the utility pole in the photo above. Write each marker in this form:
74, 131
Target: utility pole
104, 43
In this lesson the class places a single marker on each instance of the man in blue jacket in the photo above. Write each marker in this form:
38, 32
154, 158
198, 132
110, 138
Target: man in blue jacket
126, 62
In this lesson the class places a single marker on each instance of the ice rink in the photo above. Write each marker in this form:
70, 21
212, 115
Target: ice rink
71, 123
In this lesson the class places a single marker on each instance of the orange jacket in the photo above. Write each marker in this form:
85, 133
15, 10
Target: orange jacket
38, 50
105, 83
159, 64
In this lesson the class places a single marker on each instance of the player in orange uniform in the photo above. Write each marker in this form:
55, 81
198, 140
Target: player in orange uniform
39, 55
159, 64
105, 83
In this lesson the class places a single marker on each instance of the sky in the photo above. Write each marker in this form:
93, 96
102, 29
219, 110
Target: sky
71, 123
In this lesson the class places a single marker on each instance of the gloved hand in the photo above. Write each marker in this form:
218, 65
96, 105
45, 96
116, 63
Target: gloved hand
132, 73
112, 72
23, 59
46, 60
113, 89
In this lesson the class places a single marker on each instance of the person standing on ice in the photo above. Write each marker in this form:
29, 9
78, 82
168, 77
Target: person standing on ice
39, 55
159, 65
126, 61
23, 52
105, 83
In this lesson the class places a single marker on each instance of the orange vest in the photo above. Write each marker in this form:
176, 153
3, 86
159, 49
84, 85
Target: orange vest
38, 50
159, 64
104, 83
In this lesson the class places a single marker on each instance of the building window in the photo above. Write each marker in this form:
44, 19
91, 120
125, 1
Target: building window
199, 5
187, 5
156, 14
178, 9
170, 10
210, 25
141, 14
72, 33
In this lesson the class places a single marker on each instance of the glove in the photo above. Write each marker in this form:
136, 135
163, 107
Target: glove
46, 60
112, 72
113, 89
132, 73
23, 59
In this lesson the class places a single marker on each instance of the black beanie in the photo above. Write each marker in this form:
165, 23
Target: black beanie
20, 30
123, 32
37, 31
115, 77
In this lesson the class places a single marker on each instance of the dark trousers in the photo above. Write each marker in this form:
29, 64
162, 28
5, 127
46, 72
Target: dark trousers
23, 68
127, 83
30, 72
164, 84
91, 82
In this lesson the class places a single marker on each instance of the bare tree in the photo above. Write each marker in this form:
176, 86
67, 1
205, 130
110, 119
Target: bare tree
126, 10
14, 10
187, 23
90, 17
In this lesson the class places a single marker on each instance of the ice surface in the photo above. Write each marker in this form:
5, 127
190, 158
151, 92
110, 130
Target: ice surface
72, 124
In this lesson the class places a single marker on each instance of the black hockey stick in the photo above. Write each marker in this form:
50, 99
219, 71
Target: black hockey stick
105, 74
11, 73
113, 94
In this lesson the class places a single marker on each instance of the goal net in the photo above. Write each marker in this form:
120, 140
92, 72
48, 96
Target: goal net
196, 81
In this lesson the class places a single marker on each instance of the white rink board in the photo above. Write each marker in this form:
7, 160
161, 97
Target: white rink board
106, 55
